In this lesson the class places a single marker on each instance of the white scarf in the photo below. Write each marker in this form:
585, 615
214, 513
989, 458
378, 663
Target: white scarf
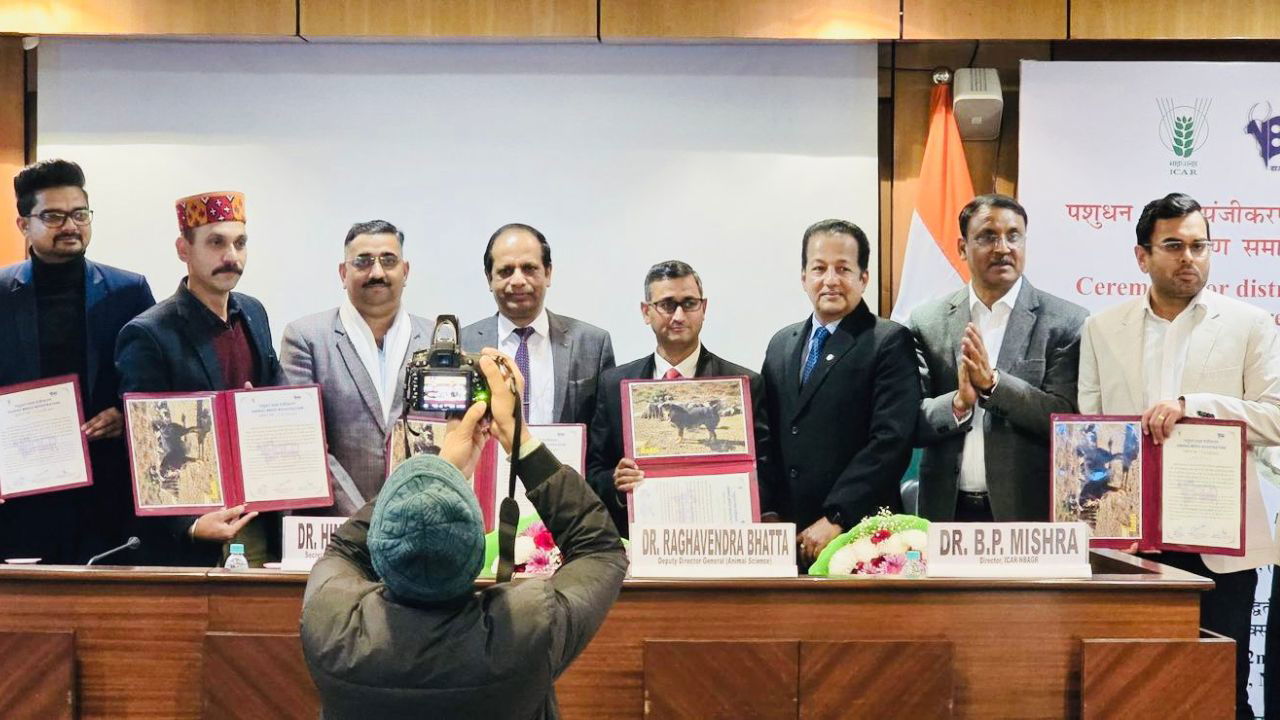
383, 367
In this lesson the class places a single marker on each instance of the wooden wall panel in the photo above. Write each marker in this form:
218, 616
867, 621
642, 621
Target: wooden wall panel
641, 20
231, 18
876, 679
991, 19
561, 20
250, 676
1174, 19
12, 145
1116, 681
726, 679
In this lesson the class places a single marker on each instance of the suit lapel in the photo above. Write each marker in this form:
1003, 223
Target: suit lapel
957, 318
561, 356
203, 347
95, 295
415, 342
358, 372
1199, 350
837, 345
1017, 334
706, 367
22, 296
1126, 340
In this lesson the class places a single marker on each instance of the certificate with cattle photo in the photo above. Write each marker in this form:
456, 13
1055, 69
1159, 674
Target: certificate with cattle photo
411, 435
42, 448
191, 453
1185, 494
694, 439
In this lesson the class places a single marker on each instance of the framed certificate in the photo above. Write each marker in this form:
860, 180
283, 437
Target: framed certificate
1186, 494
694, 439
42, 448
412, 435
191, 453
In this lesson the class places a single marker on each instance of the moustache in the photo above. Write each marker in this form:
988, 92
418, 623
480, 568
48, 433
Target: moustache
68, 236
229, 269
375, 283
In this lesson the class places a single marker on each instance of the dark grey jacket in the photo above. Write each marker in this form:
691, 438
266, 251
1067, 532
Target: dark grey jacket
491, 654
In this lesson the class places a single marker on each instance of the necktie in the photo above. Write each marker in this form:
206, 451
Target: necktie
672, 374
522, 364
815, 349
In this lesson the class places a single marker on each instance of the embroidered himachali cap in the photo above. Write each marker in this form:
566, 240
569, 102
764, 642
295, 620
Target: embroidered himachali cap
207, 208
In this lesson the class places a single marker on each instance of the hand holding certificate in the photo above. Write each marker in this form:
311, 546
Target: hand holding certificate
1185, 494
195, 452
42, 448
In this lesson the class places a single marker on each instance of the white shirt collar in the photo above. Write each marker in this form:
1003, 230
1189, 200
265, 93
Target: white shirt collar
1008, 300
815, 323
541, 325
1201, 300
687, 367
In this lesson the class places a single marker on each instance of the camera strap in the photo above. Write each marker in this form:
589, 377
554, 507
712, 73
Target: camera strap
509, 510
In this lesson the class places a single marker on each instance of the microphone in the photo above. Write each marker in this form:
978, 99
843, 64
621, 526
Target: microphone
133, 543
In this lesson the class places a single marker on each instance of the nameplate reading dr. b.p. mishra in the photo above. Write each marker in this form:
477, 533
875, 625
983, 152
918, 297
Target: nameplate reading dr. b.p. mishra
1008, 550
745, 550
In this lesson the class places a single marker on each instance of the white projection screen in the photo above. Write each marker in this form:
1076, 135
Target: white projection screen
623, 156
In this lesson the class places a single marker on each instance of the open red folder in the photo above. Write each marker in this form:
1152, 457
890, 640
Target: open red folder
42, 448
1187, 494
694, 427
191, 453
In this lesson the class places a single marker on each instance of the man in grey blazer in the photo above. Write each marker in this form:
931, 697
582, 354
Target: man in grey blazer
357, 352
997, 358
561, 358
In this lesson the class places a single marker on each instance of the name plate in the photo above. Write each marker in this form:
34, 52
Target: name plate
743, 550
305, 540
1008, 550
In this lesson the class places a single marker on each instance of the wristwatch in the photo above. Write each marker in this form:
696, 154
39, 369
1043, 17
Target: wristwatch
995, 380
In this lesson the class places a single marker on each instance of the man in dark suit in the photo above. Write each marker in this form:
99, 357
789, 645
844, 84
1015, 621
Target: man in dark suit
997, 358
561, 358
204, 337
60, 314
842, 393
674, 308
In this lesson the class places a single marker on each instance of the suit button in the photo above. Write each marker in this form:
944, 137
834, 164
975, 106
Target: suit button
795, 430
795, 473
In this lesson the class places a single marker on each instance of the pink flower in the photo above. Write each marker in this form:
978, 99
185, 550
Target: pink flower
541, 536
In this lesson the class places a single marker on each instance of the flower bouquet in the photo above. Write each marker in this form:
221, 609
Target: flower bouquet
536, 553
876, 546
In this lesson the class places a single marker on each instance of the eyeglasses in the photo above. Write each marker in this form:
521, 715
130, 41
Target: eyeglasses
1199, 248
989, 240
668, 306
58, 218
388, 261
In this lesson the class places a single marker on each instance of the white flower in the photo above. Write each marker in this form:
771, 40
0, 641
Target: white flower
842, 561
864, 550
916, 539
524, 549
893, 545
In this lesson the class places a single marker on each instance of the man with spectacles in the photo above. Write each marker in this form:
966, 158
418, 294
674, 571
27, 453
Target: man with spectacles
60, 314
674, 309
561, 358
1183, 350
997, 358
357, 352
204, 337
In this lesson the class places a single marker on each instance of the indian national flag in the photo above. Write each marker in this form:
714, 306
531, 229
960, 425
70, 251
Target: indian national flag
932, 266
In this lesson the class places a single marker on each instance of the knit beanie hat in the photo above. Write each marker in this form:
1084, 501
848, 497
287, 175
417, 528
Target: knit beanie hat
426, 537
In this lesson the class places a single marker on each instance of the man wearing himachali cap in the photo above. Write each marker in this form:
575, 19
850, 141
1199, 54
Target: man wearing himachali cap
203, 337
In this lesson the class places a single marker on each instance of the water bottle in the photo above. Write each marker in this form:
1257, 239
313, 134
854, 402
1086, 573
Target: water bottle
236, 560
914, 567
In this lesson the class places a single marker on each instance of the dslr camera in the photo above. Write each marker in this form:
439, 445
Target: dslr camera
443, 380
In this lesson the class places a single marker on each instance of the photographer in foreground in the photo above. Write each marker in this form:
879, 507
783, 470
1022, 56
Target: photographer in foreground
391, 624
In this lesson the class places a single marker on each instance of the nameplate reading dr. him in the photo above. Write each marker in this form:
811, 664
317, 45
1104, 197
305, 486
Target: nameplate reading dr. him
305, 540
1008, 550
744, 550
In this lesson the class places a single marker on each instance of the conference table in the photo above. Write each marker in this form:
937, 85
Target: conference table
122, 642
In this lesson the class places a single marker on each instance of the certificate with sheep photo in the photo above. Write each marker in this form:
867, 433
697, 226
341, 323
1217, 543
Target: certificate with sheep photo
694, 439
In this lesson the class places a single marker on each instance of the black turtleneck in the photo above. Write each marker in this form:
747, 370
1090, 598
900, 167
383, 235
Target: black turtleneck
60, 314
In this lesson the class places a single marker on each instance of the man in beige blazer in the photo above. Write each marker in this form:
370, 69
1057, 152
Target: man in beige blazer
1183, 350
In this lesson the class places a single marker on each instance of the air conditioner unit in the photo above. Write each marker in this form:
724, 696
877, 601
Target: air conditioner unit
978, 103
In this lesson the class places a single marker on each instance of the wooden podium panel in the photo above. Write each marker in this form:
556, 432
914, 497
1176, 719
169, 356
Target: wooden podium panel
875, 679
720, 679
251, 676
1196, 678
37, 675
